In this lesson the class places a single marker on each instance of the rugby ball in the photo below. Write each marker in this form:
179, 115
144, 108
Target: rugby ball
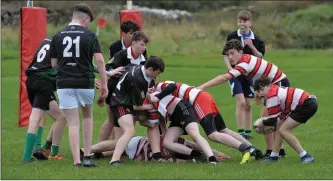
264, 129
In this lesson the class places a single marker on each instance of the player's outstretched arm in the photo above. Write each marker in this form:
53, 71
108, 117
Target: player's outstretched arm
216, 81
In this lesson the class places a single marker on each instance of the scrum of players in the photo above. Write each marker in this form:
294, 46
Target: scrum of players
131, 93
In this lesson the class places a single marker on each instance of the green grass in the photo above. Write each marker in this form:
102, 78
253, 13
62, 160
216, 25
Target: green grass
309, 70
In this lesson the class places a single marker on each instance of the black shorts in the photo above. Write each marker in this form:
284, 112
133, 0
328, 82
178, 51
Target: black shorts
40, 92
182, 115
282, 83
303, 112
212, 124
119, 111
112, 83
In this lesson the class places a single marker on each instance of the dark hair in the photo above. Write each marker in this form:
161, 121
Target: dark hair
84, 8
233, 44
244, 15
139, 35
155, 62
261, 82
129, 26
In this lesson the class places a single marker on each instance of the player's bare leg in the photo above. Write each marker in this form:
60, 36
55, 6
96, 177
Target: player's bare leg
269, 138
87, 117
240, 113
236, 136
193, 131
57, 131
170, 141
31, 136
107, 127
73, 121
286, 132
276, 145
127, 124
154, 140
248, 117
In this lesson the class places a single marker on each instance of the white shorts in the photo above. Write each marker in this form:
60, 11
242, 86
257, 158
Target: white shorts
131, 147
73, 98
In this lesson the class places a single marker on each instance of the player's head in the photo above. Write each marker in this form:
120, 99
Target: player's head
154, 66
139, 42
261, 86
83, 14
128, 27
234, 50
244, 20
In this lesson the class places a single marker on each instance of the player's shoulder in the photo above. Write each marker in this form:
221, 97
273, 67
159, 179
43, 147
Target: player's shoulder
116, 44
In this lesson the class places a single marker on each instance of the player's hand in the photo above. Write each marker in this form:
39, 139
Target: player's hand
248, 42
152, 99
100, 101
221, 156
151, 90
119, 70
97, 83
104, 91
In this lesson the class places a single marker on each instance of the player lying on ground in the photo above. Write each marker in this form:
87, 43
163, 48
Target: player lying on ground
139, 149
40, 85
294, 105
211, 120
254, 68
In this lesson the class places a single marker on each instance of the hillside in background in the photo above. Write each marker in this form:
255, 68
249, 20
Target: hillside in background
282, 24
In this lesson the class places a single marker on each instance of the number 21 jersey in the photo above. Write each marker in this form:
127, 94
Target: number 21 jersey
74, 47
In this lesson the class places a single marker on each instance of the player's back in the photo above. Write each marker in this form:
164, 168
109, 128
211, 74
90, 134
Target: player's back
183, 91
41, 64
132, 87
287, 98
255, 68
74, 47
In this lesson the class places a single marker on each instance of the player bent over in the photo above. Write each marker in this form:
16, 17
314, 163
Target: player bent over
211, 120
40, 85
292, 104
182, 117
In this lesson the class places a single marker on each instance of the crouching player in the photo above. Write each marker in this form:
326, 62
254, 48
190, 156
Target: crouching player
294, 105
182, 117
211, 120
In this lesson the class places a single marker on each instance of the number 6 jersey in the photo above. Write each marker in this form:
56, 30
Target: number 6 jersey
74, 47
41, 64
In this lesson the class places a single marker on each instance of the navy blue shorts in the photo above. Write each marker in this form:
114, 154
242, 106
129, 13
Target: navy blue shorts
242, 85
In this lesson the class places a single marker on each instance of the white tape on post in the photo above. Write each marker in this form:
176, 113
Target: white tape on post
129, 5
30, 3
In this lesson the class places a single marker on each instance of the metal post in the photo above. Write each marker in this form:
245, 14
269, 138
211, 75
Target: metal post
129, 5
30, 3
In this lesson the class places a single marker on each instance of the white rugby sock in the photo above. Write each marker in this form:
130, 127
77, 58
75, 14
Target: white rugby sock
303, 153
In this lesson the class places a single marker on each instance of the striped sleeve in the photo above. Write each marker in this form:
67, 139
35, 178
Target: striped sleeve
273, 106
239, 69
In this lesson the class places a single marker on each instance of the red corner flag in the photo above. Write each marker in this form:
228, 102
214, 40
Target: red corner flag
101, 22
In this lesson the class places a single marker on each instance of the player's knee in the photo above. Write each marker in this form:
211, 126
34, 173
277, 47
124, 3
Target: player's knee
212, 136
241, 104
193, 134
248, 107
